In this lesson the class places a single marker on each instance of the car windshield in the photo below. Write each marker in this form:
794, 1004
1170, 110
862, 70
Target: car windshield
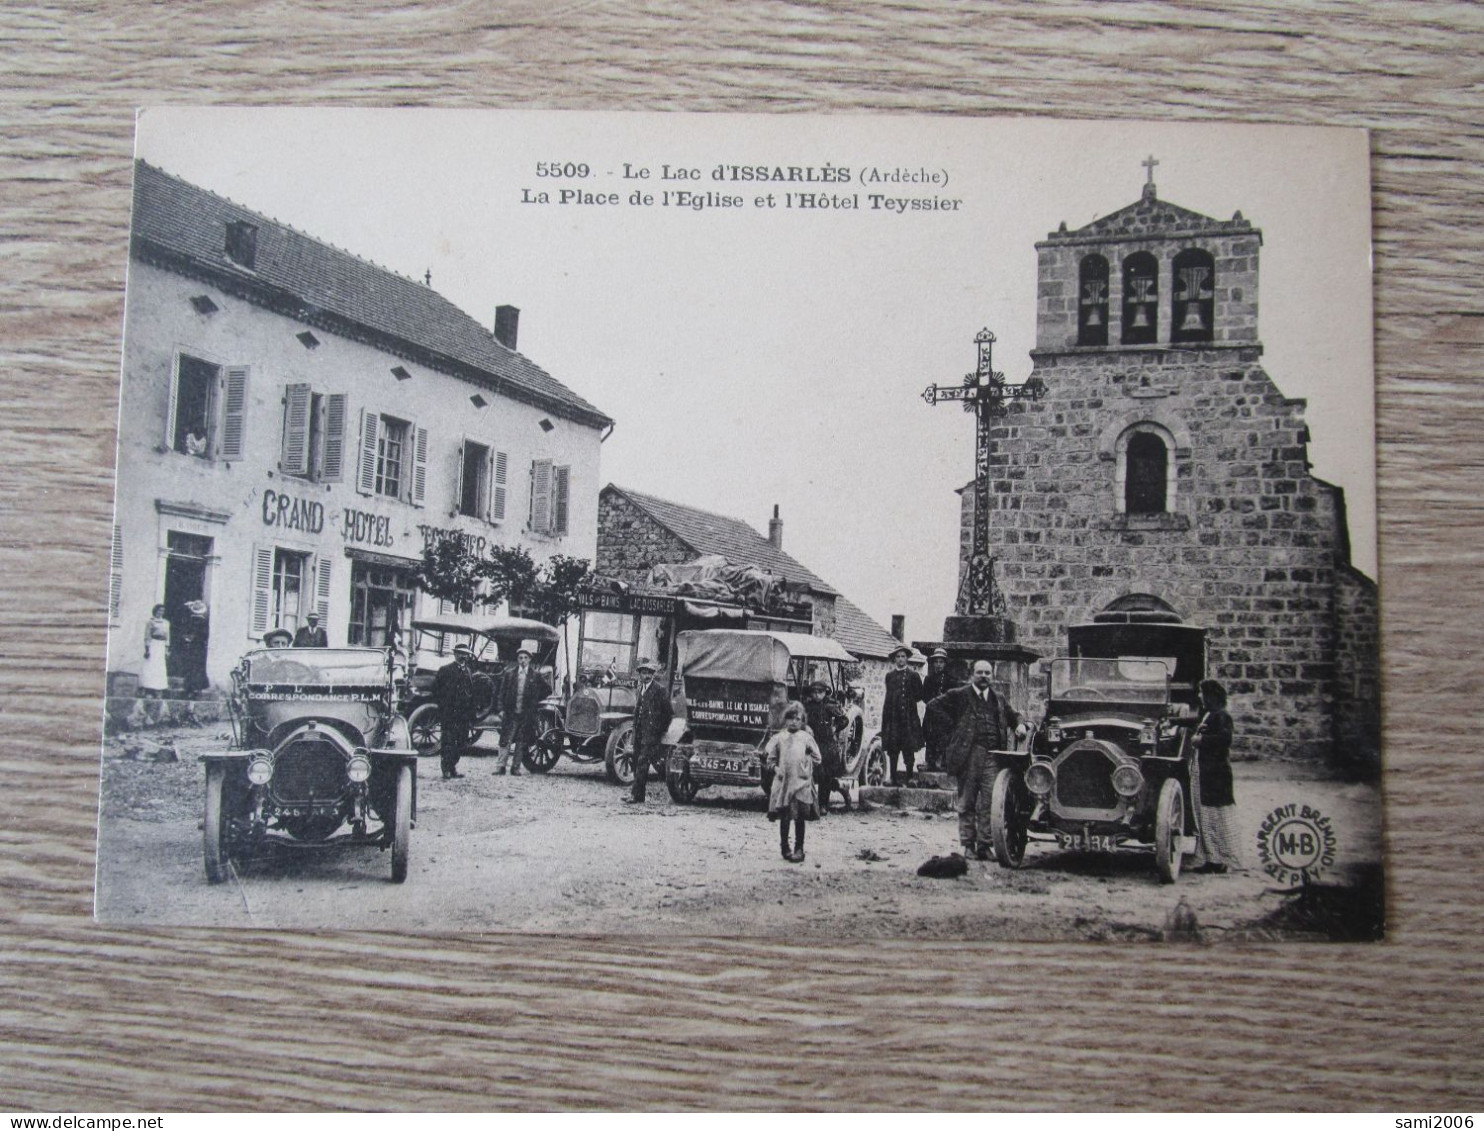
1128, 679
318, 667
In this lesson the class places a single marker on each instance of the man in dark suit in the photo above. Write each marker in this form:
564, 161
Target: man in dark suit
310, 634
652, 714
453, 691
978, 722
901, 730
520, 702
939, 681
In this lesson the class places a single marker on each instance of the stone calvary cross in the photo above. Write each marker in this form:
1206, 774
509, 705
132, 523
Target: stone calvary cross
984, 393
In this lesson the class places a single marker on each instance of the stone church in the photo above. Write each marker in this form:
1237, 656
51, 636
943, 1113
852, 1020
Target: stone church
1164, 471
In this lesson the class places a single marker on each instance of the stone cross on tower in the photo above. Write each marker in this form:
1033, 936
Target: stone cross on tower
1149, 163
984, 393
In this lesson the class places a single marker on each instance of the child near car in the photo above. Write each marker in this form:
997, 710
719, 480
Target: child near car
793, 756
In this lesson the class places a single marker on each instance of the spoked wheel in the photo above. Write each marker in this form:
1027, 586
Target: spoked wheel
618, 755
544, 753
425, 727
214, 829
874, 770
682, 788
1169, 825
1009, 814
402, 825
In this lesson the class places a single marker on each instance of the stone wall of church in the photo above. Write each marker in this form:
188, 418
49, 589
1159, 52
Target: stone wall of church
1248, 546
1357, 672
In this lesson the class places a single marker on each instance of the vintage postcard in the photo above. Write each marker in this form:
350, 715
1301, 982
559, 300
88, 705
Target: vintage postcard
810, 527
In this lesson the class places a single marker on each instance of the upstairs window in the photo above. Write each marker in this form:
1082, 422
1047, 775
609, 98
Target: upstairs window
1092, 302
207, 410
1140, 299
1193, 302
313, 434
550, 497
1146, 473
393, 459
482, 482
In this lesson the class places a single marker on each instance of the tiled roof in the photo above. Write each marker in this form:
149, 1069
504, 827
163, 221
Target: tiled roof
185, 226
741, 544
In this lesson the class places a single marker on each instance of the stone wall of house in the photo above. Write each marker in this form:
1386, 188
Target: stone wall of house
630, 542
1247, 547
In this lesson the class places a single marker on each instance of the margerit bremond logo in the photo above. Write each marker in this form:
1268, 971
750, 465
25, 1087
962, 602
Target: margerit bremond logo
1295, 844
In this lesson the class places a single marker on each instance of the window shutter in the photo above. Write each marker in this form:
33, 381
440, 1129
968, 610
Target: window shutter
295, 456
367, 478
419, 438
500, 463
561, 480
262, 589
541, 496
116, 573
322, 574
461, 470
234, 413
334, 466
170, 409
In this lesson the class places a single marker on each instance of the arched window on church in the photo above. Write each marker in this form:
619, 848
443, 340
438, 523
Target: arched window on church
1193, 302
1146, 473
1140, 299
1092, 302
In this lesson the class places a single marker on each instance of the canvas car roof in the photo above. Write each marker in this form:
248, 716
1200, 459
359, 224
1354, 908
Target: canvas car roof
721, 653
497, 626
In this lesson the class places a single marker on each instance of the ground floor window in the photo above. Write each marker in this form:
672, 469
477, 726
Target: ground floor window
381, 600
291, 602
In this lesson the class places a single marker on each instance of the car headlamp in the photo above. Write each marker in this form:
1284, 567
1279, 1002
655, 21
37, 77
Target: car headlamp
1039, 779
1127, 780
260, 770
358, 769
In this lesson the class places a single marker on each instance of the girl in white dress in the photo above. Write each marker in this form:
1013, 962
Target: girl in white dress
154, 679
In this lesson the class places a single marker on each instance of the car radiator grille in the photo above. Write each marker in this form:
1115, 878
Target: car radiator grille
1085, 781
308, 769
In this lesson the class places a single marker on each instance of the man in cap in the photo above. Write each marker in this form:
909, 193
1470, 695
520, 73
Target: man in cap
520, 698
652, 714
826, 720
938, 682
278, 638
454, 692
978, 723
901, 730
311, 635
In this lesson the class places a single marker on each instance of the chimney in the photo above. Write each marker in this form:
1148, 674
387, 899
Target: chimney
775, 529
899, 627
507, 324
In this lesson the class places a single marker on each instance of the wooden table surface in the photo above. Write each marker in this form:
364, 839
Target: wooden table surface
93, 1018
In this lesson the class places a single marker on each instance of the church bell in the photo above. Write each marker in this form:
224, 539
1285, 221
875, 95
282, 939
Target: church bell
1191, 320
1141, 317
1094, 316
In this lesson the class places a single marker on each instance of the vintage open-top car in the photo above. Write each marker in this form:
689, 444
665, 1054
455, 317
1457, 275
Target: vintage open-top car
320, 757
493, 640
735, 686
1113, 760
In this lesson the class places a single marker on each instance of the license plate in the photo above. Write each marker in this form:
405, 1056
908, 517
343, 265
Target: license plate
1086, 842
724, 765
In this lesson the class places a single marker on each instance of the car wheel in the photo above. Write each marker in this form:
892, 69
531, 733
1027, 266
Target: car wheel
618, 755
402, 825
544, 753
214, 828
1169, 825
1008, 826
425, 729
874, 769
682, 788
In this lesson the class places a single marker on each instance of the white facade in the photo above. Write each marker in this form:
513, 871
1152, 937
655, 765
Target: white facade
269, 468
